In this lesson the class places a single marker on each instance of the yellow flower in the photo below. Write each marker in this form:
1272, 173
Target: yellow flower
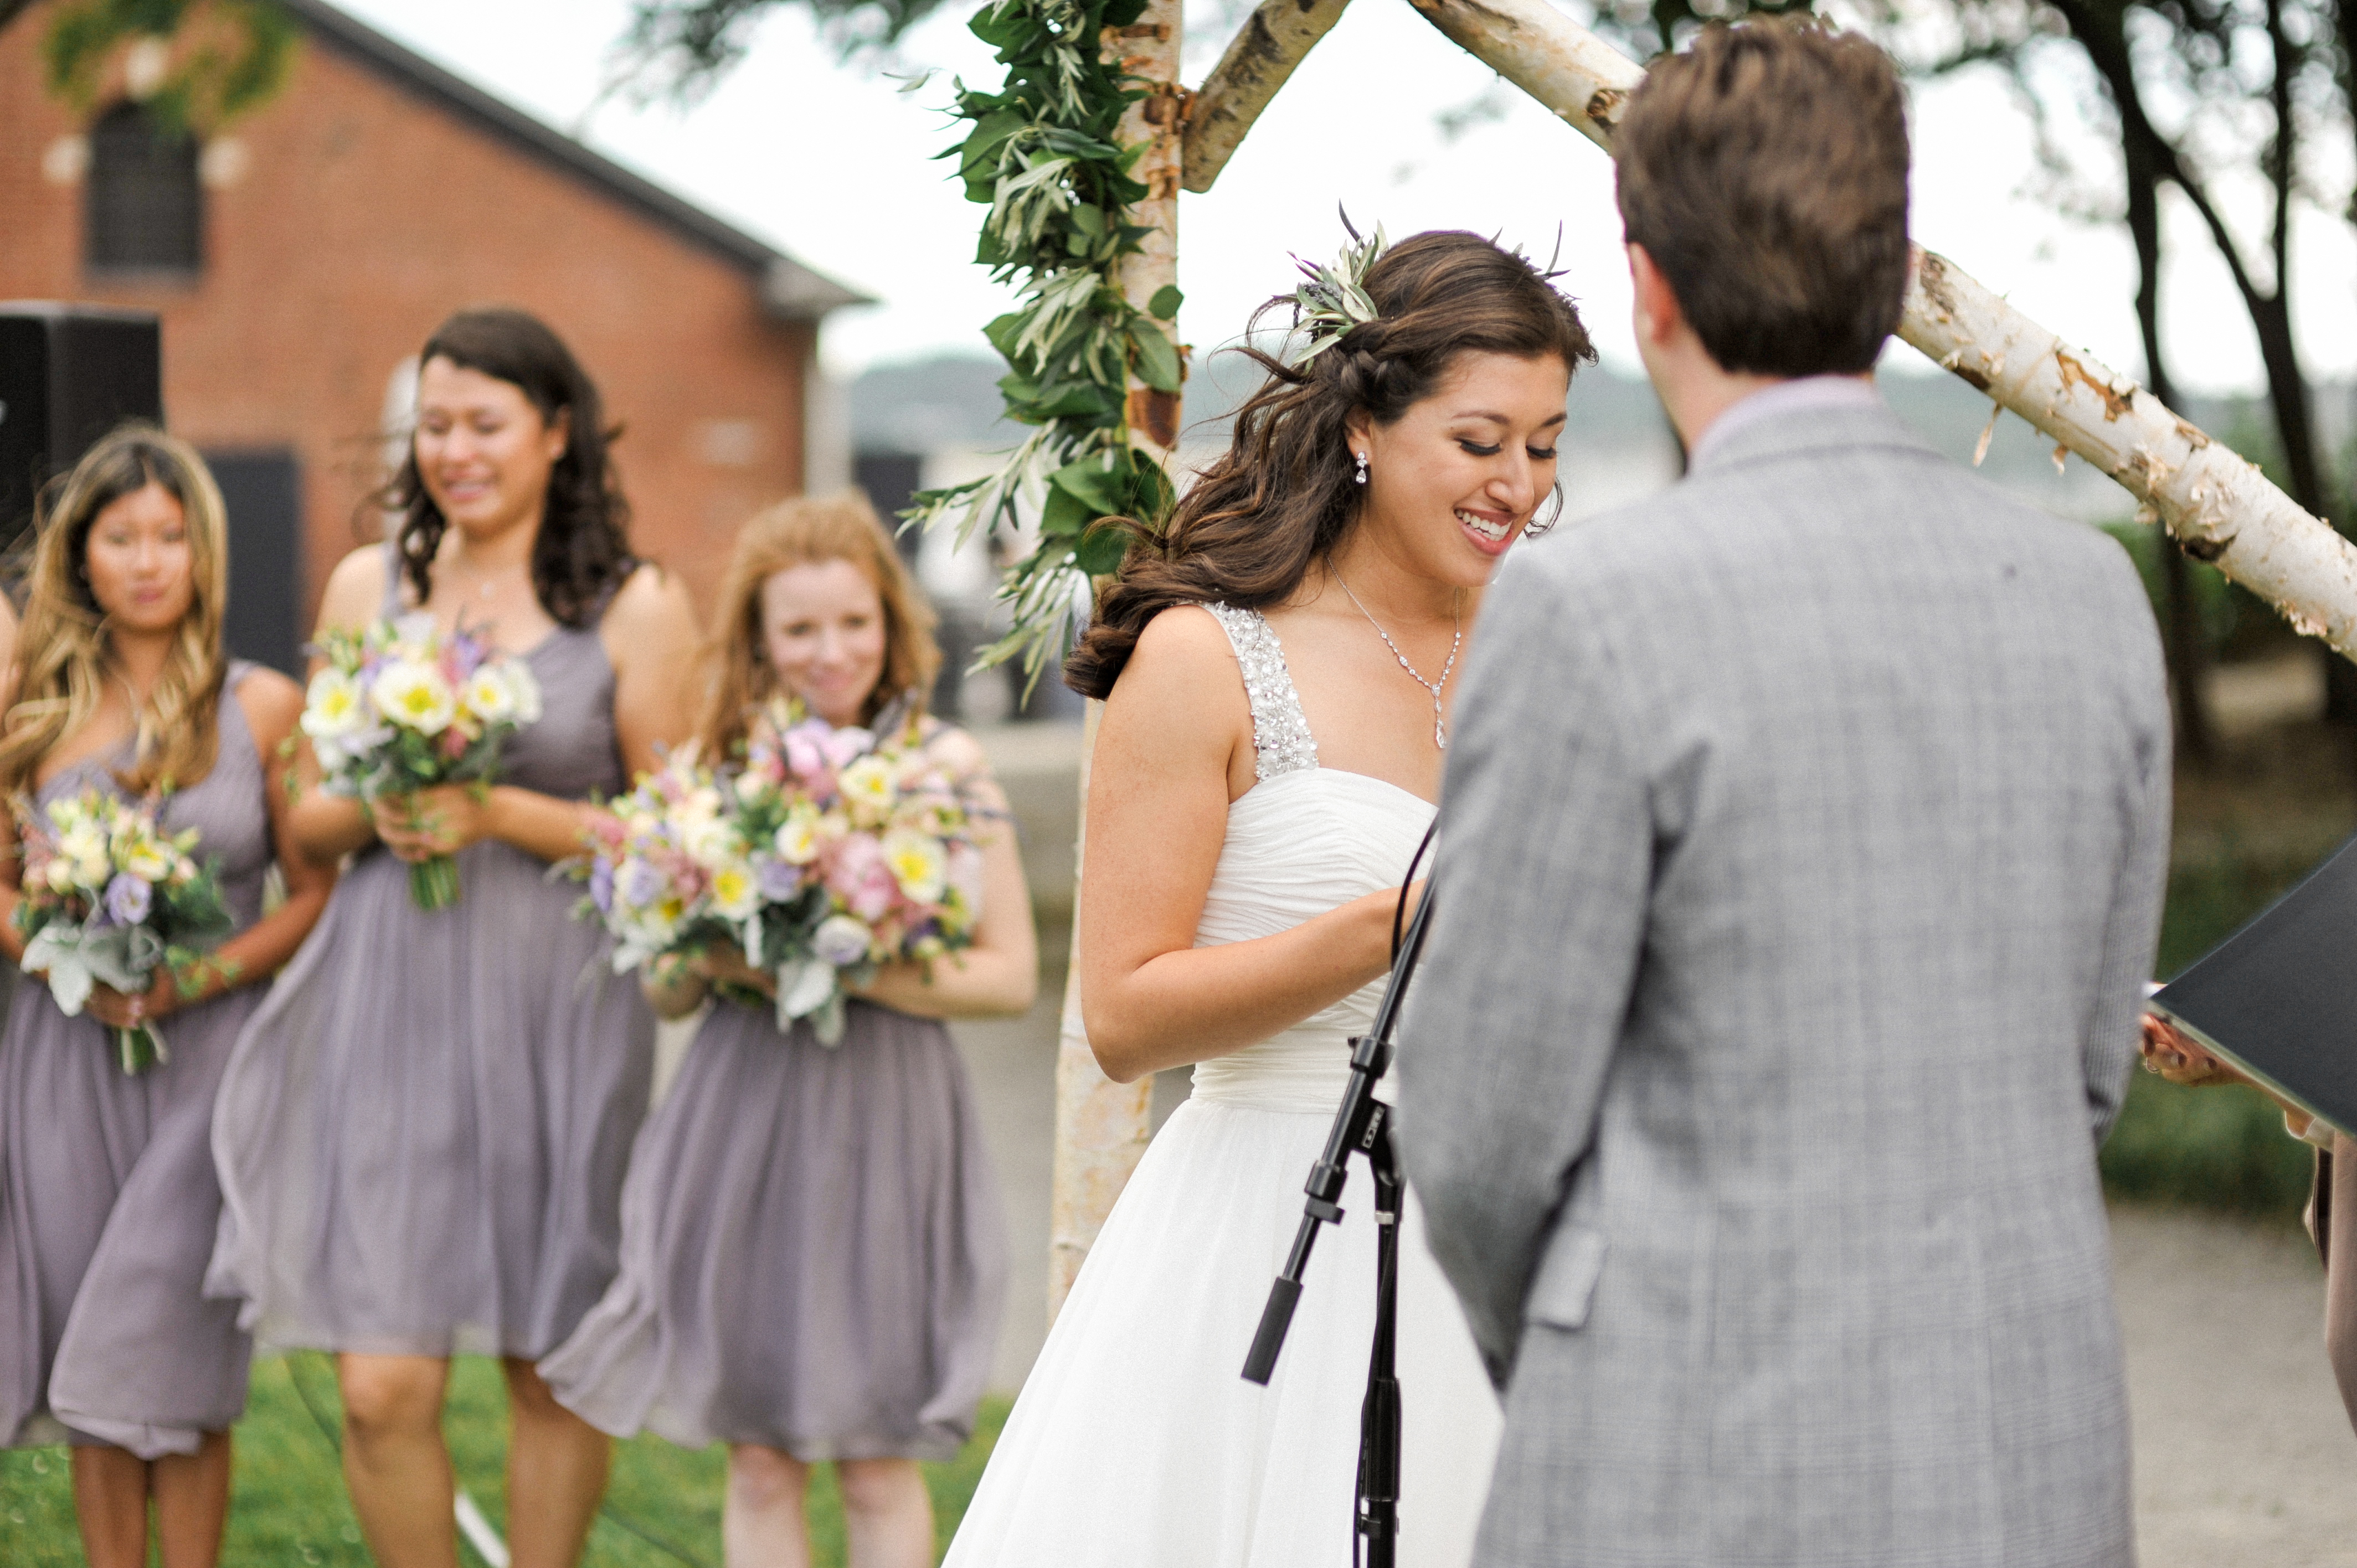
415, 697
868, 790
917, 864
146, 860
735, 891
797, 837
334, 706
488, 696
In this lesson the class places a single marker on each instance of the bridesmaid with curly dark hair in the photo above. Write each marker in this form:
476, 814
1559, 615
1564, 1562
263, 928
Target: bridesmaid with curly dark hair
422, 1133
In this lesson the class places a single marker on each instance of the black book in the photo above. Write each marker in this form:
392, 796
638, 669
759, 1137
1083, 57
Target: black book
2278, 998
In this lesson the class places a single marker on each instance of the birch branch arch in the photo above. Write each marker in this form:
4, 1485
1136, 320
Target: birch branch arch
2216, 505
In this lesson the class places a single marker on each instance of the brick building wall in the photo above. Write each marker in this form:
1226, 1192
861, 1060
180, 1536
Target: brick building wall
357, 211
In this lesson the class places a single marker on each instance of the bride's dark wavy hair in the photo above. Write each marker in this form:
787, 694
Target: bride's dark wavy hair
1282, 496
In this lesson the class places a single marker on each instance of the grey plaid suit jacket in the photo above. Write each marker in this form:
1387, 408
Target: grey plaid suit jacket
1801, 851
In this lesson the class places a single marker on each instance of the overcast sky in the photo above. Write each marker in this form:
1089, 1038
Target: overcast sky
834, 164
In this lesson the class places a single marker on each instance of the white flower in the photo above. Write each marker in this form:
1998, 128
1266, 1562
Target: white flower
867, 788
735, 891
797, 837
334, 705
147, 860
840, 940
657, 924
523, 689
83, 849
414, 696
488, 697
916, 863
711, 843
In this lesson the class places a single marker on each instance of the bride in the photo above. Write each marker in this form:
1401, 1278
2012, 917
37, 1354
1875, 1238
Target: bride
1276, 674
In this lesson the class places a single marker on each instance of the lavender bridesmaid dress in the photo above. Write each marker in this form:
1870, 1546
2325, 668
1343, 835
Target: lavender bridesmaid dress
107, 1197
423, 1132
811, 1248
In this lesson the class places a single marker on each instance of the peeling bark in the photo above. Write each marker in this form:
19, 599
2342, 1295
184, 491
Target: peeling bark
1102, 1126
1585, 80
1260, 59
2219, 507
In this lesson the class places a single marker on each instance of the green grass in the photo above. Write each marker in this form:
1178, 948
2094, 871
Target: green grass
287, 1503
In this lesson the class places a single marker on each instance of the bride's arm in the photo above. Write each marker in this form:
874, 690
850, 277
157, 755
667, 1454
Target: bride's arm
1176, 727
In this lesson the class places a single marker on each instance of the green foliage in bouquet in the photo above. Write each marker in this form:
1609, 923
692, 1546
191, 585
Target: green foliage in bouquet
1043, 155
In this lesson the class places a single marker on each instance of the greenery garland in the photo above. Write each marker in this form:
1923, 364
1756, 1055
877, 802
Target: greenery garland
229, 56
1043, 153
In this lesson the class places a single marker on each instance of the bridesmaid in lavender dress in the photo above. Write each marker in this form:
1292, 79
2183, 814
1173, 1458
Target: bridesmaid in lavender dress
422, 1134
812, 1256
107, 1196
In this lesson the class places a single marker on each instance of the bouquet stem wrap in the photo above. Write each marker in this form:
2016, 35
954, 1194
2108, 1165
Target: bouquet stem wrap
434, 883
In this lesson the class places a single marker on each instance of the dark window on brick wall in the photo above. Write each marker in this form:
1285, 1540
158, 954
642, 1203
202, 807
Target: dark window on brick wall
143, 206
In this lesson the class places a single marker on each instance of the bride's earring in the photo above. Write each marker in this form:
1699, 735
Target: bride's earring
1361, 474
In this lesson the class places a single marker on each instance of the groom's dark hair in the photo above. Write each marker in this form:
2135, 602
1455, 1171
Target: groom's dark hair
1764, 170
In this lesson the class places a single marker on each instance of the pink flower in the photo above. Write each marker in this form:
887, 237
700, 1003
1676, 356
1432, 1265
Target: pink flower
857, 873
845, 745
805, 753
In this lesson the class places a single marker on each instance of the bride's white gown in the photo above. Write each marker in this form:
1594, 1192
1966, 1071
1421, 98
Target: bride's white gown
1136, 1442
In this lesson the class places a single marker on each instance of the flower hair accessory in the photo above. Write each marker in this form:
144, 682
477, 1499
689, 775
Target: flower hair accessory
1335, 298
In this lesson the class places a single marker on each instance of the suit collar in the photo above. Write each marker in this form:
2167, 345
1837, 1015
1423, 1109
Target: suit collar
1805, 427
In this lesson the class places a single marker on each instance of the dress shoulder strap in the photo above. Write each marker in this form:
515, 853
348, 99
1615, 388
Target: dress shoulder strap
1281, 739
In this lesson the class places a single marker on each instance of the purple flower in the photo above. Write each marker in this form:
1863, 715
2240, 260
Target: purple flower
602, 885
127, 899
779, 880
642, 885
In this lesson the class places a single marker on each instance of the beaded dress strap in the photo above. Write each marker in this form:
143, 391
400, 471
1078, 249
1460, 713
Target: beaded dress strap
1281, 738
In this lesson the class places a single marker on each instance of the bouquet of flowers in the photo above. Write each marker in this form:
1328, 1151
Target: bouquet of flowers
654, 895
109, 897
823, 855
402, 706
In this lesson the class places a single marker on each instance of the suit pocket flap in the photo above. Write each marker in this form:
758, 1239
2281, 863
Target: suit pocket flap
1566, 1278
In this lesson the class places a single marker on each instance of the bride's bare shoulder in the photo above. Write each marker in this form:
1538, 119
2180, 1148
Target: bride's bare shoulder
1182, 678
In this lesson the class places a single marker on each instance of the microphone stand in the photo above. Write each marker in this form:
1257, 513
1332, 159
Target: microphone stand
1362, 1123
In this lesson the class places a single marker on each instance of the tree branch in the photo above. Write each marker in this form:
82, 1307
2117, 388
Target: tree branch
1260, 59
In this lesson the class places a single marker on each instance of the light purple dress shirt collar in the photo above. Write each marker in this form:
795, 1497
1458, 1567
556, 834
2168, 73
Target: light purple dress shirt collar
1804, 393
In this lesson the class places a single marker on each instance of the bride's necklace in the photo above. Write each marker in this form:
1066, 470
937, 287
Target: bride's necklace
1439, 724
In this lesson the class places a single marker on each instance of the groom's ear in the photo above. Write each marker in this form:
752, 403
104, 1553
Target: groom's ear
1656, 314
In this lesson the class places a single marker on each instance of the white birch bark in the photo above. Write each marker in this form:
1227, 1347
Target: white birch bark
1102, 1126
2221, 507
1259, 61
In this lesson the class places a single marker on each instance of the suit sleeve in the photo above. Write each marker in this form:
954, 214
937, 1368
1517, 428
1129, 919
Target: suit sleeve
2132, 930
1544, 863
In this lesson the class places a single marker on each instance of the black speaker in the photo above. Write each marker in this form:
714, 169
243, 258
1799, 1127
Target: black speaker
262, 492
68, 373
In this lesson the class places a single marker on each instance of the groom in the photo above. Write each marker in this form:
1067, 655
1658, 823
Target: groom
1801, 853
